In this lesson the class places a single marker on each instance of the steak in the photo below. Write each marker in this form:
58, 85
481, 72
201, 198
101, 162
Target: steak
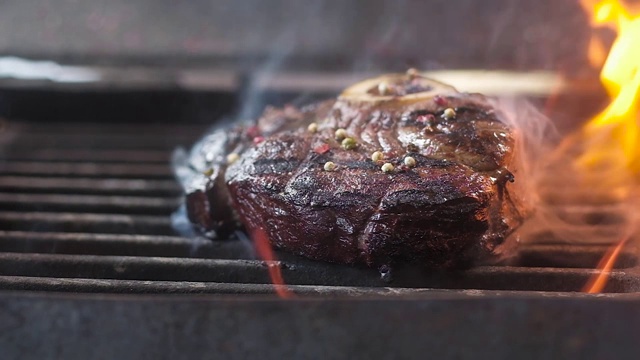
398, 169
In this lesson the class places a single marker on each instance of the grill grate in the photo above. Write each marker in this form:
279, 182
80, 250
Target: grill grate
86, 208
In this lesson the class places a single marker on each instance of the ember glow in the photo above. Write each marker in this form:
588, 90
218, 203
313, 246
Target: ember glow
265, 252
599, 280
613, 135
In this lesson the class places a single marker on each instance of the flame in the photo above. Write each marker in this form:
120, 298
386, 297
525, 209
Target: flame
599, 280
597, 52
263, 247
620, 76
611, 160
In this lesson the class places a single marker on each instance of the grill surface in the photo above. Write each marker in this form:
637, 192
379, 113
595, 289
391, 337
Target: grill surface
86, 208
88, 259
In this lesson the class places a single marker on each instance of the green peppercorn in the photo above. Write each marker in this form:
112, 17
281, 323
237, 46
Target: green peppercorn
449, 113
349, 143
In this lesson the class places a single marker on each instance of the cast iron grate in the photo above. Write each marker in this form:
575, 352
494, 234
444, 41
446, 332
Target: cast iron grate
86, 208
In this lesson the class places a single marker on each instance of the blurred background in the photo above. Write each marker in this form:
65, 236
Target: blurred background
198, 60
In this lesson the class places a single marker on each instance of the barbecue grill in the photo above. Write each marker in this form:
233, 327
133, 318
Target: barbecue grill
91, 266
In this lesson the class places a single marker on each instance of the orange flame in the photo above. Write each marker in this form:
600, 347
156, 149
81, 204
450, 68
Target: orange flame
263, 247
612, 136
599, 280
620, 76
597, 52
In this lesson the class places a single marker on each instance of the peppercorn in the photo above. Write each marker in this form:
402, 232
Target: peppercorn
449, 113
410, 161
329, 166
341, 134
233, 157
349, 143
387, 167
377, 156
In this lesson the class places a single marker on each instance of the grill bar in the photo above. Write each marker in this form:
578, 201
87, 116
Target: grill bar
79, 285
70, 169
190, 287
572, 256
85, 222
44, 129
89, 203
133, 268
133, 140
300, 273
53, 154
121, 244
107, 186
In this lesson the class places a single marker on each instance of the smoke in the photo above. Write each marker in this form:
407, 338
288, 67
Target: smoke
536, 135
580, 190
253, 95
576, 186
567, 205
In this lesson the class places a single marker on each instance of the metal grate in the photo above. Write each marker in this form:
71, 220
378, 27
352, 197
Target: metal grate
86, 208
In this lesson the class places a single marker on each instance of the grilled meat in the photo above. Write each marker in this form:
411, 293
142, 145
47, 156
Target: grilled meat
397, 169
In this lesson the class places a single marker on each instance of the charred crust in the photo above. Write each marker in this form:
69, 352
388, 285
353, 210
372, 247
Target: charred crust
446, 210
274, 166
